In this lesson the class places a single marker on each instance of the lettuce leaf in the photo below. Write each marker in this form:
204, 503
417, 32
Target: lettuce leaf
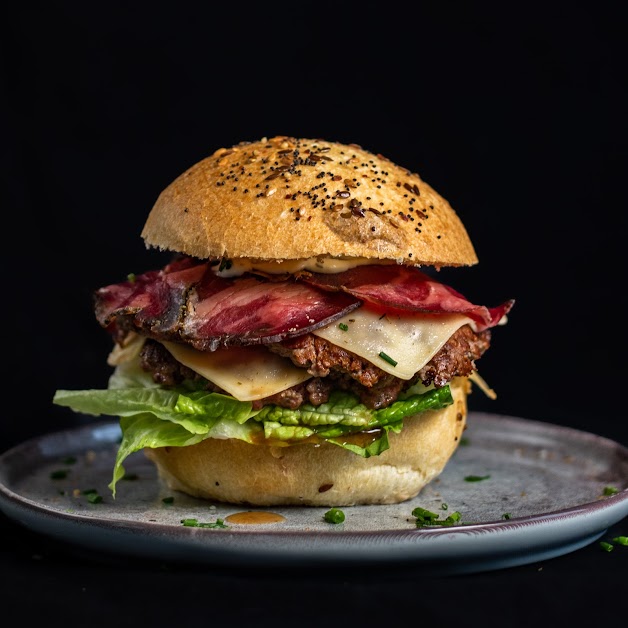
144, 430
344, 409
195, 411
151, 416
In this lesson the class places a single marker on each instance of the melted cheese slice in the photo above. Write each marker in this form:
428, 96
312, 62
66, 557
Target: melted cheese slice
247, 373
409, 340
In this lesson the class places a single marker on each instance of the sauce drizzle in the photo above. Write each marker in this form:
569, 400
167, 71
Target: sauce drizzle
255, 517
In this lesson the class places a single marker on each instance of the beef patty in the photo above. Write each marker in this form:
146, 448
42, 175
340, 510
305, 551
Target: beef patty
333, 367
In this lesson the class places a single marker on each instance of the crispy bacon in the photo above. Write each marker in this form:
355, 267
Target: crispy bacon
187, 302
253, 311
190, 303
406, 288
153, 300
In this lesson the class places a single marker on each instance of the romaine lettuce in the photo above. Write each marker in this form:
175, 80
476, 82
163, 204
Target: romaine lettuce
151, 416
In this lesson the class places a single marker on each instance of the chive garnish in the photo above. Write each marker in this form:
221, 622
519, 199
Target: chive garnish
424, 517
610, 490
476, 478
621, 540
387, 358
607, 547
334, 515
168, 500
506, 515
195, 523
444, 506
94, 498
427, 518
454, 517
59, 474
189, 522
343, 326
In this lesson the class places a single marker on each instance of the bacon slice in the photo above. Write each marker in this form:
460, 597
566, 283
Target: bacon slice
406, 288
153, 300
251, 311
189, 303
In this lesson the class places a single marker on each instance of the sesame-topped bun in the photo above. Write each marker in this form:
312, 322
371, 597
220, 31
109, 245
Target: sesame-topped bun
290, 351
287, 199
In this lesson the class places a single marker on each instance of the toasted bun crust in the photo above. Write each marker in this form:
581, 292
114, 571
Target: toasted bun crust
236, 472
286, 198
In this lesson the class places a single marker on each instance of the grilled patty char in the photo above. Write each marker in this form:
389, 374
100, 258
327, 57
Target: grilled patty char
333, 367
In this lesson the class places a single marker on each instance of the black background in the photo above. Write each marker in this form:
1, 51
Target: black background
516, 116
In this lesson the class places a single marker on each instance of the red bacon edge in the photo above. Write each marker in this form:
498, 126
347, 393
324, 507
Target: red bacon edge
187, 302
407, 288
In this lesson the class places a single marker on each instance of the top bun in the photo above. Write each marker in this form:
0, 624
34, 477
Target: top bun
286, 198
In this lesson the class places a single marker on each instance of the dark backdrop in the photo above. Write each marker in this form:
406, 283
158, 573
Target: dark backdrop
517, 118
514, 112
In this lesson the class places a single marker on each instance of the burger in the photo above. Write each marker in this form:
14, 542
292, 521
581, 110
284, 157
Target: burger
297, 347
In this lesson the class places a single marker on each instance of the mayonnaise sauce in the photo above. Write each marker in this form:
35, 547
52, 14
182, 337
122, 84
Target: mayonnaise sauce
319, 264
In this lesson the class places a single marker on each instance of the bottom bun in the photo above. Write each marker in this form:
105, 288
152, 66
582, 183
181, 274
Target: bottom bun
237, 472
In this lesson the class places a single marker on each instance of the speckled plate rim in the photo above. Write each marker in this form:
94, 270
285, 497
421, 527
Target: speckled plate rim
466, 548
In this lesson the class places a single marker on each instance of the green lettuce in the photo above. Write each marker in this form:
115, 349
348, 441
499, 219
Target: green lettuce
152, 417
343, 408
195, 411
147, 430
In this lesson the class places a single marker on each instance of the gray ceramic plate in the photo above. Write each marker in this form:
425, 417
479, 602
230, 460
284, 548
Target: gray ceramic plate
543, 496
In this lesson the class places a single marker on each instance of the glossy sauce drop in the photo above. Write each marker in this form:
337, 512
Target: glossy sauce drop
255, 517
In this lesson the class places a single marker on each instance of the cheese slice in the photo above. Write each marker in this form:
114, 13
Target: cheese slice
409, 341
247, 373
398, 344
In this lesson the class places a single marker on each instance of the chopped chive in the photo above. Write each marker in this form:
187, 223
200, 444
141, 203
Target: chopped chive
427, 518
131, 277
334, 515
387, 358
189, 522
610, 490
423, 513
219, 523
444, 506
424, 517
506, 515
59, 474
94, 498
194, 523
476, 478
607, 547
454, 517
343, 326
621, 540
168, 500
